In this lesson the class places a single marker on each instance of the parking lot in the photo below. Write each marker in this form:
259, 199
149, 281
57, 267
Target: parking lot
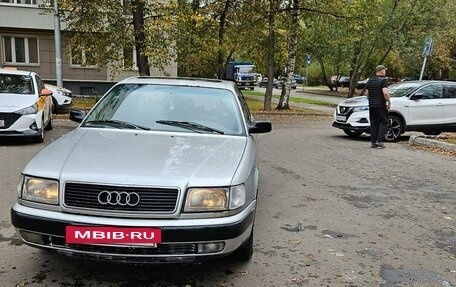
332, 212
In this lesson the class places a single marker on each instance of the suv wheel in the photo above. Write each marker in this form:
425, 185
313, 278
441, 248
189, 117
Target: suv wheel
352, 133
395, 128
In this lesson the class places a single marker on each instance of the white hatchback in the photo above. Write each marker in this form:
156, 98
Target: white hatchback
425, 106
25, 105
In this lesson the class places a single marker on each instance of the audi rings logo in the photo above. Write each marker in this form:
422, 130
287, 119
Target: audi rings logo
121, 198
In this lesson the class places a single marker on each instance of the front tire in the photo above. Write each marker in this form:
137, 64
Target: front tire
49, 126
245, 252
40, 137
395, 129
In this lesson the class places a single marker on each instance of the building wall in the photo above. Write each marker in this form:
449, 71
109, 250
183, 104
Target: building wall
30, 20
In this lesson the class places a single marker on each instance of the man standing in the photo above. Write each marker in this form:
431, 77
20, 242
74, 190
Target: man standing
379, 104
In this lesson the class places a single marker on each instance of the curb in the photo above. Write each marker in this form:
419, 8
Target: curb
423, 141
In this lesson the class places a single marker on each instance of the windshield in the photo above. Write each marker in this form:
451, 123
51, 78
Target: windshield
246, 69
16, 84
402, 89
168, 108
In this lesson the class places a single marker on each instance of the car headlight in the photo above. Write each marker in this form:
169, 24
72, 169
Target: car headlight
29, 110
214, 199
361, 108
40, 190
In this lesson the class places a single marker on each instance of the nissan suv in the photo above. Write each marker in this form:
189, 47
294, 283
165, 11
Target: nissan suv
425, 106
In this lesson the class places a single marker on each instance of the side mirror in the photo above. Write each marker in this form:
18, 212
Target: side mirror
417, 96
258, 127
45, 92
77, 115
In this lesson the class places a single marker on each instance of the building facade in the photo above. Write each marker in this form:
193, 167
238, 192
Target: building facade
27, 43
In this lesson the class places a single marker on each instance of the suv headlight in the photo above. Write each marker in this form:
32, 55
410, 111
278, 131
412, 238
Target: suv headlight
214, 199
361, 108
29, 110
40, 190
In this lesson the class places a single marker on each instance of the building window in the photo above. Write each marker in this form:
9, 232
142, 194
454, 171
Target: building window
20, 50
21, 2
82, 58
129, 59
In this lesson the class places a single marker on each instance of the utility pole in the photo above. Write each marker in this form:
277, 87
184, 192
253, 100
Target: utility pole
58, 46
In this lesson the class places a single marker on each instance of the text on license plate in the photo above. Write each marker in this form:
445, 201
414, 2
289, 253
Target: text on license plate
341, 118
112, 235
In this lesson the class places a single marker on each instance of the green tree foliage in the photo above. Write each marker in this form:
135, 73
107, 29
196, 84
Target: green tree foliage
344, 37
104, 29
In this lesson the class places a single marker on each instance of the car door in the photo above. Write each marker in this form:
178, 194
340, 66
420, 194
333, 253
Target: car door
426, 106
449, 101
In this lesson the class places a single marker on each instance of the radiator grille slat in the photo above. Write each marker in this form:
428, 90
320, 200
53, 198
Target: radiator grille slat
151, 199
9, 119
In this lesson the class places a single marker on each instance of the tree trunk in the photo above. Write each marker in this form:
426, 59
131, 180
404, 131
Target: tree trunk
137, 7
221, 36
271, 51
293, 47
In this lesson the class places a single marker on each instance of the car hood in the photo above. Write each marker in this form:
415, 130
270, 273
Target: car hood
355, 101
14, 102
140, 158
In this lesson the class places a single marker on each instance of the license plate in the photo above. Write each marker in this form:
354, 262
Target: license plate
113, 235
2, 123
341, 118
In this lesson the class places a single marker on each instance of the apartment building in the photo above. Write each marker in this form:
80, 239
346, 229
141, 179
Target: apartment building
27, 43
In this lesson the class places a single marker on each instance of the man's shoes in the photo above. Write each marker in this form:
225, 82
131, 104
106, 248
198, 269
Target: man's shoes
380, 145
377, 145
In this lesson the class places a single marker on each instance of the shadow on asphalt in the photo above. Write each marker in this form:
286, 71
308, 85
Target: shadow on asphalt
366, 138
9, 141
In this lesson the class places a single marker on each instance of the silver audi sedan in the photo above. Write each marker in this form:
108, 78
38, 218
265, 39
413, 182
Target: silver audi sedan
160, 170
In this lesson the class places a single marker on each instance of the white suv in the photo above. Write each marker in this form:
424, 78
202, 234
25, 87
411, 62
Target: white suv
61, 97
425, 106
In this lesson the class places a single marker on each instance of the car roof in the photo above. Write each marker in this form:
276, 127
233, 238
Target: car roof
15, 72
180, 81
423, 82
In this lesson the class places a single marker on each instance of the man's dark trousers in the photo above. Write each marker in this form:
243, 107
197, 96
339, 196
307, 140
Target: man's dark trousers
378, 124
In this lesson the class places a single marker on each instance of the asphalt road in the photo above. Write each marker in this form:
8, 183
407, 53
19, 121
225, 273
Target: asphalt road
332, 212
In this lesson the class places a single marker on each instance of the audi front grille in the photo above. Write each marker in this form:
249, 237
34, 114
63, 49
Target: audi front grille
120, 198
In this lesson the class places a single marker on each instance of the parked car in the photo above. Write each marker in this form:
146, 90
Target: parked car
263, 82
61, 97
281, 80
160, 170
299, 79
425, 106
25, 105
362, 84
340, 81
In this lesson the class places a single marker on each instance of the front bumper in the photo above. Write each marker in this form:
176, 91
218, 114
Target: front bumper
22, 127
183, 241
348, 126
349, 120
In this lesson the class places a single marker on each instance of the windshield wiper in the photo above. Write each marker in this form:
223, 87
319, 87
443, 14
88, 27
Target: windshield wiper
190, 126
117, 124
